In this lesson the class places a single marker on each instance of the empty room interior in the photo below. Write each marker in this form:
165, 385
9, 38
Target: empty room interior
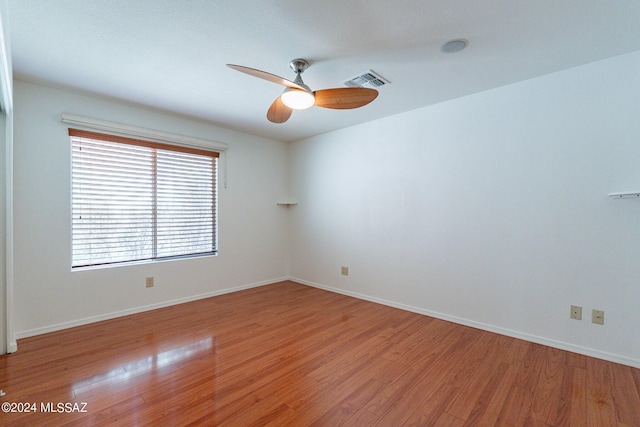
448, 233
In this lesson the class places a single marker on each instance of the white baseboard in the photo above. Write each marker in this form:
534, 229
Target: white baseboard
624, 360
112, 315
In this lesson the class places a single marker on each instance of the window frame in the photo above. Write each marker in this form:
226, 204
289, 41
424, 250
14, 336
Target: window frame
153, 145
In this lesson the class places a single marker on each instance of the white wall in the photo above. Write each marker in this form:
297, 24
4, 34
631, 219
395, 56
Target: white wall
49, 296
489, 210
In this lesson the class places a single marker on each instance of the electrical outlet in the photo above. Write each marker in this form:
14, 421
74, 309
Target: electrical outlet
597, 316
576, 312
344, 271
149, 282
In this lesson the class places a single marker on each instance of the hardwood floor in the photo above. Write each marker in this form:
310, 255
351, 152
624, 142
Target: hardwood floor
287, 354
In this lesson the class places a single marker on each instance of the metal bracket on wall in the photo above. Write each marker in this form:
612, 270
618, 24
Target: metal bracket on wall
626, 195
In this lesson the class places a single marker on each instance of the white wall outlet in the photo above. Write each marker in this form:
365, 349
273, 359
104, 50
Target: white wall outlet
597, 316
344, 271
576, 312
149, 282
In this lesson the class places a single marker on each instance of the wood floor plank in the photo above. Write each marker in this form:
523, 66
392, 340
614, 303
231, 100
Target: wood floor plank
625, 394
435, 373
431, 409
446, 420
516, 408
578, 405
493, 398
411, 375
487, 356
600, 404
546, 398
339, 414
291, 355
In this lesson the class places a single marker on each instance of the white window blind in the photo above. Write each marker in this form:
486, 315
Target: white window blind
135, 200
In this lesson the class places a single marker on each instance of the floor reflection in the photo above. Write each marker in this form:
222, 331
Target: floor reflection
144, 365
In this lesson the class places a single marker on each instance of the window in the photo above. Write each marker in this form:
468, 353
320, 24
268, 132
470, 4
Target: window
135, 200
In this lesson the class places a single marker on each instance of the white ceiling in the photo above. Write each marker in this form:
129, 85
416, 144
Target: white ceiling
171, 54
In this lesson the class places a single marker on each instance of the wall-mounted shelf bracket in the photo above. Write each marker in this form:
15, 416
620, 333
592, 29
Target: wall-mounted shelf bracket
626, 195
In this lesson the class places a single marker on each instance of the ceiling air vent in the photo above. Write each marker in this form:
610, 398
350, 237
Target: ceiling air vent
367, 79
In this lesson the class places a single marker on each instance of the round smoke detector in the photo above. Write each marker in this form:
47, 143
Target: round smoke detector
453, 46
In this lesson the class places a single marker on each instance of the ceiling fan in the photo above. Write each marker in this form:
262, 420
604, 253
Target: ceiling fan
298, 96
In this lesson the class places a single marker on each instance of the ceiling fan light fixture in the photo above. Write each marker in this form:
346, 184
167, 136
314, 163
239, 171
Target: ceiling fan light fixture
297, 99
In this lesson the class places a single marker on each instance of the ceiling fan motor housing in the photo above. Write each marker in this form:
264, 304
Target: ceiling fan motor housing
299, 65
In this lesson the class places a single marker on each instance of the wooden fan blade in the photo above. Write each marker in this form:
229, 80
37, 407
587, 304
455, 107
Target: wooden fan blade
265, 76
278, 112
344, 98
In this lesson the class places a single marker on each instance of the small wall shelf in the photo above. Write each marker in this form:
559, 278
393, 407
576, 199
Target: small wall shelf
290, 203
625, 195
